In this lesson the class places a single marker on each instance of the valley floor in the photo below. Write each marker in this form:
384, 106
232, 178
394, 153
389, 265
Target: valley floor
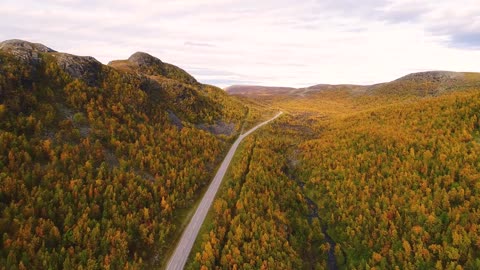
395, 183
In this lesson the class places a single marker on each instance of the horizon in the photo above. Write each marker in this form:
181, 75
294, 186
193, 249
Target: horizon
274, 43
260, 85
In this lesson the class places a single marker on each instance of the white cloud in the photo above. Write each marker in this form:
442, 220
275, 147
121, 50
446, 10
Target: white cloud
283, 42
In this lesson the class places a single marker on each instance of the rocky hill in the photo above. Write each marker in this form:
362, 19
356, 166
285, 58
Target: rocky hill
97, 162
149, 65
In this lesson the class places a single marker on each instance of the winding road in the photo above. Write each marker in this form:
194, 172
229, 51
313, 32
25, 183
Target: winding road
180, 255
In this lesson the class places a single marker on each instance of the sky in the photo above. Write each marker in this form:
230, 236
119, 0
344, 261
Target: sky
294, 43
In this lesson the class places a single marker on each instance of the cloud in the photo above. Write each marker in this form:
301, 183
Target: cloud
269, 42
458, 23
469, 40
211, 72
404, 11
198, 44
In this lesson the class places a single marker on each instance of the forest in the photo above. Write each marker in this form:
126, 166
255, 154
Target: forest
260, 219
95, 174
101, 167
394, 171
400, 186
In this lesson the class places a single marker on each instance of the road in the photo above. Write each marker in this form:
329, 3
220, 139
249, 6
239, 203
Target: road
180, 256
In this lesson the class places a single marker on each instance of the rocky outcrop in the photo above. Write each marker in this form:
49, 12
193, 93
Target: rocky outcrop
150, 65
24, 50
86, 68
174, 119
144, 60
219, 128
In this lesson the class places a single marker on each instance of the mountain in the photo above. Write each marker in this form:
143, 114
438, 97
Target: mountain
101, 166
417, 84
79, 67
428, 83
258, 90
149, 65
271, 91
98, 162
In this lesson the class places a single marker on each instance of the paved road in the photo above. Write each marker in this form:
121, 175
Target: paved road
180, 256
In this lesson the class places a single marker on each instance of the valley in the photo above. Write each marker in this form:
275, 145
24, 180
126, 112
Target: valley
360, 157
103, 166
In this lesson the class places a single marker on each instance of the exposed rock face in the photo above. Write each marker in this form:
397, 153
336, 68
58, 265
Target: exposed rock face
144, 59
86, 68
24, 50
151, 65
219, 128
21, 45
175, 120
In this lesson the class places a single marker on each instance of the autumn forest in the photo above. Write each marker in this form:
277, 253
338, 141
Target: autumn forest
102, 166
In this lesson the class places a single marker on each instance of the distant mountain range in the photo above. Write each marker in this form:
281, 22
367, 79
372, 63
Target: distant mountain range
422, 83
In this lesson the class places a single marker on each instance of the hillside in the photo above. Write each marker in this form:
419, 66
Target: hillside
393, 186
98, 162
101, 165
398, 185
146, 64
428, 83
415, 84
386, 177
